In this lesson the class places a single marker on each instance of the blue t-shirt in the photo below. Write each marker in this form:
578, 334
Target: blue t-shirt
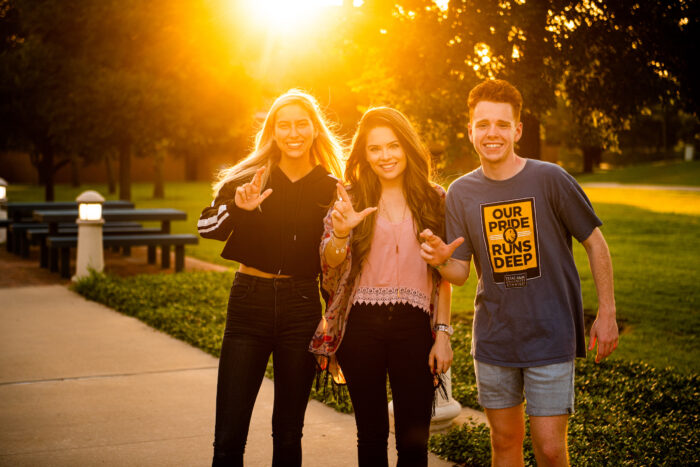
528, 306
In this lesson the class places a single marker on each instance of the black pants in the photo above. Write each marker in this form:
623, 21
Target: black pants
277, 316
394, 339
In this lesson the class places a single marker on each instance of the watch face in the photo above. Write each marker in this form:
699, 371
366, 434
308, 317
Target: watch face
445, 328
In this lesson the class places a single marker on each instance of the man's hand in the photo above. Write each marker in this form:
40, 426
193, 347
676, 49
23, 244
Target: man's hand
604, 329
248, 195
604, 332
434, 251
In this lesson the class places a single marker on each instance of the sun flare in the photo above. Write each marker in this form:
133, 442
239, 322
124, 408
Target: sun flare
285, 16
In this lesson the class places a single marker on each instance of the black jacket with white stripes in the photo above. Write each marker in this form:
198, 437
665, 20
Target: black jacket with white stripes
282, 237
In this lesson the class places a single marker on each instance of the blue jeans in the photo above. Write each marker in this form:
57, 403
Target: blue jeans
265, 316
394, 340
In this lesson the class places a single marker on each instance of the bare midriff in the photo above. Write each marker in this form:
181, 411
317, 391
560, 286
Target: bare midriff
251, 271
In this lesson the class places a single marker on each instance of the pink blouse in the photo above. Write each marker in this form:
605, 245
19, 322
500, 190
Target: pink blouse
394, 271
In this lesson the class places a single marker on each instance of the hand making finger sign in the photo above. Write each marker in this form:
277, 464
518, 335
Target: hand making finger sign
434, 251
248, 195
344, 216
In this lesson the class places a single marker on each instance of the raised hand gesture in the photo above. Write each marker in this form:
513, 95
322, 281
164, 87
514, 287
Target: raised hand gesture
248, 195
344, 216
434, 251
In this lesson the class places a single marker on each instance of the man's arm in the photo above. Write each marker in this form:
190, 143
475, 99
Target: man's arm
604, 329
437, 254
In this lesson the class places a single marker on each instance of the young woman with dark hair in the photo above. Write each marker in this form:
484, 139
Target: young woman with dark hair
388, 308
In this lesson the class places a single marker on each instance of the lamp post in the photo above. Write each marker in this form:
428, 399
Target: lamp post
90, 249
3, 209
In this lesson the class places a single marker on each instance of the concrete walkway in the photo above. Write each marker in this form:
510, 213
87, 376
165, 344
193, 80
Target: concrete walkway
81, 384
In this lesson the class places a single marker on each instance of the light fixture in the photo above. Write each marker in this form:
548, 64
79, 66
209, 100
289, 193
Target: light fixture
3, 190
90, 255
90, 206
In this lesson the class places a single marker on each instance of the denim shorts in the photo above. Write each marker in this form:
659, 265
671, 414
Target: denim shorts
548, 390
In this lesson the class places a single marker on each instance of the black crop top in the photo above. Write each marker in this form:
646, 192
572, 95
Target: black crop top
283, 237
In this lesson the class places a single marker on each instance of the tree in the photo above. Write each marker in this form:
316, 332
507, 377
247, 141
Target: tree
619, 58
93, 78
33, 97
428, 59
608, 60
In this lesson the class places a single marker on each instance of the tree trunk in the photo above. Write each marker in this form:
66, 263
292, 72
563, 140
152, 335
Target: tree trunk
46, 171
111, 183
591, 157
191, 164
75, 171
125, 173
159, 182
529, 144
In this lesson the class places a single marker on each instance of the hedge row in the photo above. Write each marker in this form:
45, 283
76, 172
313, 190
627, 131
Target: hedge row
626, 413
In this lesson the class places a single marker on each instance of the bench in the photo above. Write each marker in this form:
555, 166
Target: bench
16, 235
22, 212
38, 235
22, 241
164, 241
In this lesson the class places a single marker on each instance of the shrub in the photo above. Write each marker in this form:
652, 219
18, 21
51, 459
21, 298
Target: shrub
627, 413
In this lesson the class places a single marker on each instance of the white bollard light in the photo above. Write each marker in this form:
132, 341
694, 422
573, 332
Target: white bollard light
90, 249
3, 208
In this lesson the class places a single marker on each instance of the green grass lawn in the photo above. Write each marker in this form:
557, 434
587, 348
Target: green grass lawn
656, 173
652, 236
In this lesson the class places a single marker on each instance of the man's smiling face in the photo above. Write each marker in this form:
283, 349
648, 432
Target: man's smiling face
493, 131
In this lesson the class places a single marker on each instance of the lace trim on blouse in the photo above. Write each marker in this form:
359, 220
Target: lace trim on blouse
392, 295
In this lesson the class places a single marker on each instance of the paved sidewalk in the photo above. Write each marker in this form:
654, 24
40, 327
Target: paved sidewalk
81, 384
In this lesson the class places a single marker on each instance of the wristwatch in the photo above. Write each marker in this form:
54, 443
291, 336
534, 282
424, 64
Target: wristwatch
443, 327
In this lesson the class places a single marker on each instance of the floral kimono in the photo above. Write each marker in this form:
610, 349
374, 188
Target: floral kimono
341, 290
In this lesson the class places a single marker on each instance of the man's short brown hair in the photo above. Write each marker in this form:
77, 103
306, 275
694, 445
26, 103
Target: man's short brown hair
496, 90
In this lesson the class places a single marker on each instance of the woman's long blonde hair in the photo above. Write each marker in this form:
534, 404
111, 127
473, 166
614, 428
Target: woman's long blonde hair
325, 149
426, 205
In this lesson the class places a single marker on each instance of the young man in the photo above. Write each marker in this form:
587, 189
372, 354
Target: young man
516, 218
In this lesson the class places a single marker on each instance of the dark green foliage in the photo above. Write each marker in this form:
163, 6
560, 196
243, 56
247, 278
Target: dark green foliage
627, 413
463, 380
633, 414
468, 445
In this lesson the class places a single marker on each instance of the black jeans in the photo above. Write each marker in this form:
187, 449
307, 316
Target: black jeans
393, 339
277, 316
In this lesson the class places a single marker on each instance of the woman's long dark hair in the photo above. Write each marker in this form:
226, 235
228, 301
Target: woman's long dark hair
426, 205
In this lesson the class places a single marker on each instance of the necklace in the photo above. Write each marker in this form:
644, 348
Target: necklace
393, 225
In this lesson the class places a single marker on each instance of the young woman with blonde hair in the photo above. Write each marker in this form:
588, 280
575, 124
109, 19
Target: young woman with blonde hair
269, 210
388, 308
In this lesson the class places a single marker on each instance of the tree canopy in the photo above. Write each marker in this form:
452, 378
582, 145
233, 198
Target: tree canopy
93, 78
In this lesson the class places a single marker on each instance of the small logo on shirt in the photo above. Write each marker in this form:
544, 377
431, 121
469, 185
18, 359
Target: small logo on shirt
510, 232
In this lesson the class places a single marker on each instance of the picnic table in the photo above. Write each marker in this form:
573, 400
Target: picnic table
163, 215
22, 212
